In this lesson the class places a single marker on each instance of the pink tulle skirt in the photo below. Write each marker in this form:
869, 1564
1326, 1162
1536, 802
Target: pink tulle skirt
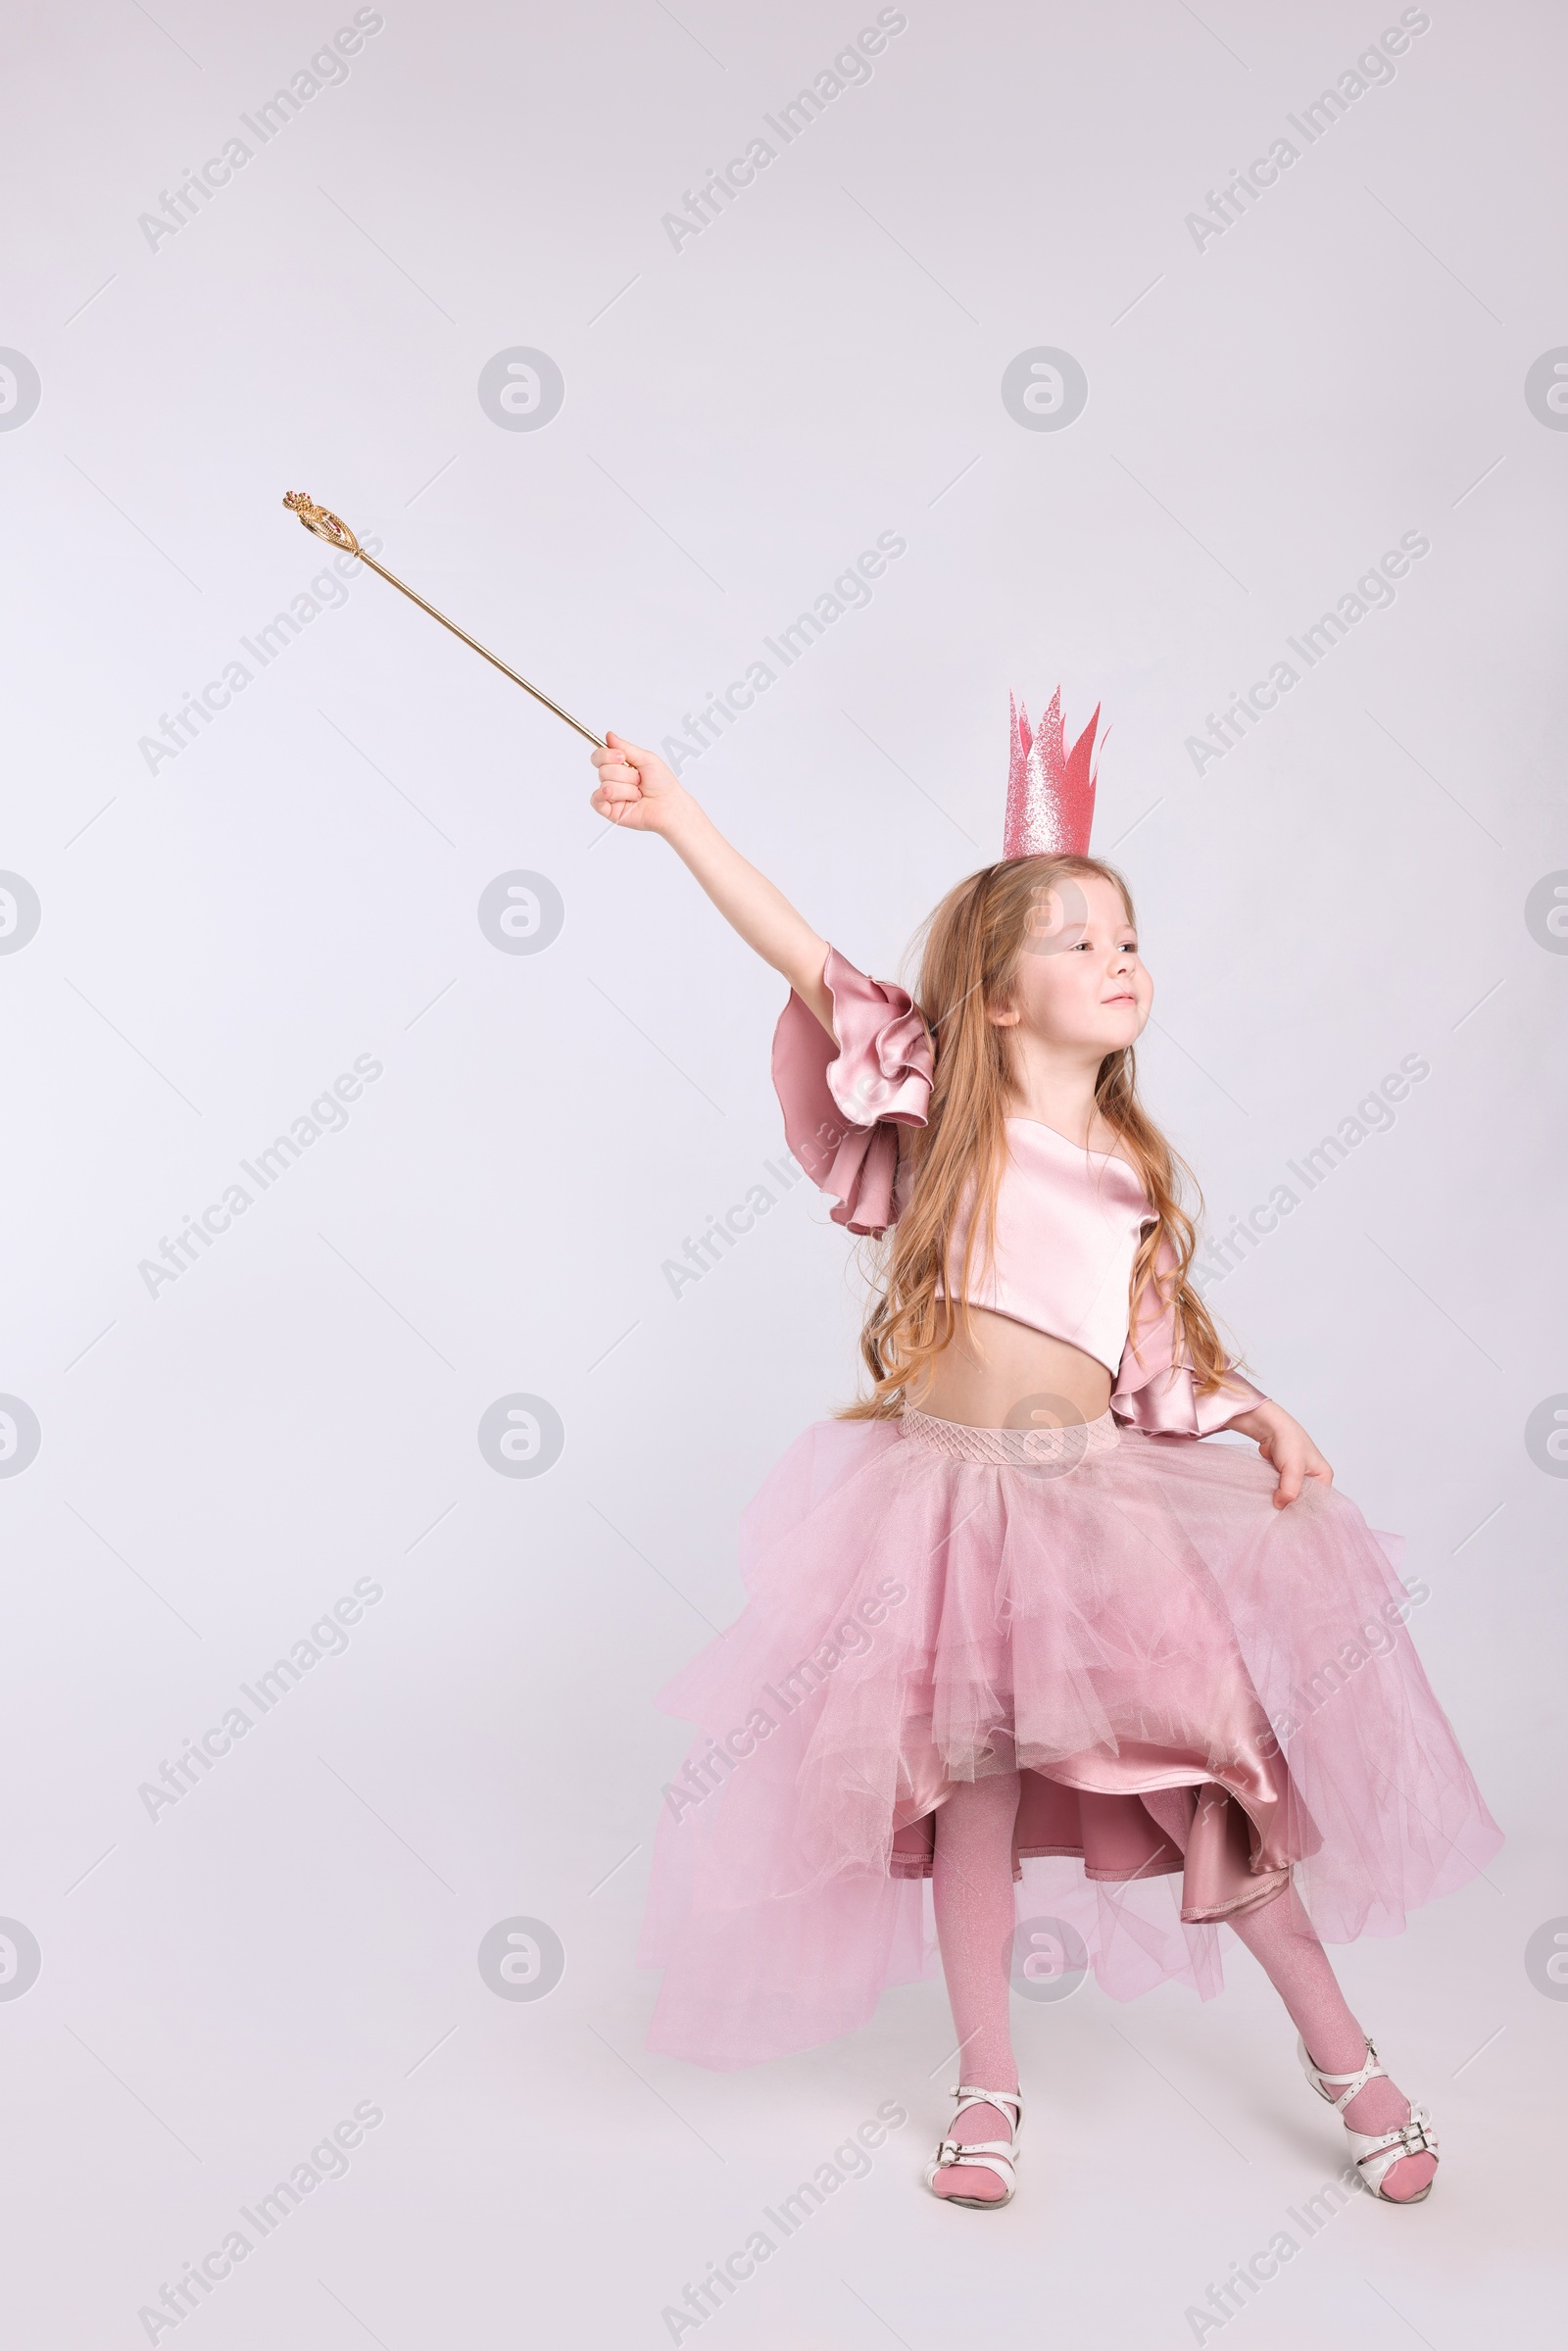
1128, 1620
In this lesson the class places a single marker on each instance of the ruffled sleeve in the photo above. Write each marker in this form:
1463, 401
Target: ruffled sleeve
1157, 1387
844, 1104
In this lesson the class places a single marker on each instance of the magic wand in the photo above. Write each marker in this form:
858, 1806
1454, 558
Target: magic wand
324, 524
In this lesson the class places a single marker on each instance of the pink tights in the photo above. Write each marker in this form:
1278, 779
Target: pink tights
971, 1881
973, 1887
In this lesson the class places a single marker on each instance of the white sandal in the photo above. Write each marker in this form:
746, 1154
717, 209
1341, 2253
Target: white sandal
1375, 2153
997, 2155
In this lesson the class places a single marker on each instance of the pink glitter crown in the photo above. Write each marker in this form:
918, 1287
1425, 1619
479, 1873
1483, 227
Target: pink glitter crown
1051, 790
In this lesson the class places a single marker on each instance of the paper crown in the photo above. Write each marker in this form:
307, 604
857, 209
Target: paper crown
1051, 790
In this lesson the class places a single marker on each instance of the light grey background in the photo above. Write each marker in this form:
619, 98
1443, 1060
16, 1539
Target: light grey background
219, 939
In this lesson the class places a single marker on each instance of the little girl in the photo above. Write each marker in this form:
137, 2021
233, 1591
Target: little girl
1010, 1606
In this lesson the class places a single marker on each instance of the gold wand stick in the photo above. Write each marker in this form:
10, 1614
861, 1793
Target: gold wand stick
324, 524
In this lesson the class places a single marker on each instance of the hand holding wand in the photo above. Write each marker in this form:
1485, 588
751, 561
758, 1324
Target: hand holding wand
324, 524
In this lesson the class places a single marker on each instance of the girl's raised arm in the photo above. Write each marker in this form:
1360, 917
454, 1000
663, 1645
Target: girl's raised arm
636, 789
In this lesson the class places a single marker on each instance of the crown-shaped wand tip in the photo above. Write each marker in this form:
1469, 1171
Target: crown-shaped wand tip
321, 522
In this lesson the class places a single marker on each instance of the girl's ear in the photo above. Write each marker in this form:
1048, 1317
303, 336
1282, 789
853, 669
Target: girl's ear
1002, 1017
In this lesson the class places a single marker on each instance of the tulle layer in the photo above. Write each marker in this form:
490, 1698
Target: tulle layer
1128, 1620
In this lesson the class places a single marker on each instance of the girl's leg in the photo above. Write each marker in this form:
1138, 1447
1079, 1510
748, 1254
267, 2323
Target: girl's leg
972, 1889
1284, 1941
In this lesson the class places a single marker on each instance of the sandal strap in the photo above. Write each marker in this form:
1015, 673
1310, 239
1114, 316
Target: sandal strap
1352, 2083
1000, 2156
1001, 2099
980, 2154
1381, 2150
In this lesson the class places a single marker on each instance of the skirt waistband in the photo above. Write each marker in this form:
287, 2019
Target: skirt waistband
1051, 1452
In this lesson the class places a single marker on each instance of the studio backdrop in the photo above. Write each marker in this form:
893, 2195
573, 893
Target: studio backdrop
405, 1282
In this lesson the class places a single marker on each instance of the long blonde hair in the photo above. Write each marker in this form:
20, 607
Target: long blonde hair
974, 942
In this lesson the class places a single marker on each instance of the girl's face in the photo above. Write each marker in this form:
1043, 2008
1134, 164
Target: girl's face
1080, 981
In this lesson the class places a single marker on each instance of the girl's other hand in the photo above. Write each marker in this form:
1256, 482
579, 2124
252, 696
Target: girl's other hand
1286, 1445
635, 788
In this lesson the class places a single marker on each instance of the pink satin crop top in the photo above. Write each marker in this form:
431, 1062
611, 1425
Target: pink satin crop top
1068, 1221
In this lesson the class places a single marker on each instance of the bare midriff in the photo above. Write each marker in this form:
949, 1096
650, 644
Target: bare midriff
1013, 1377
